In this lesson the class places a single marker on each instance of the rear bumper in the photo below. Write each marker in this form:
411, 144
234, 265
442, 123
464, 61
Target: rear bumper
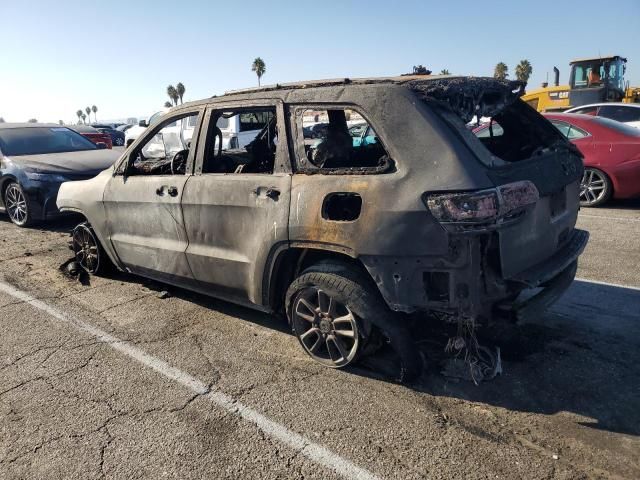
539, 274
552, 291
465, 282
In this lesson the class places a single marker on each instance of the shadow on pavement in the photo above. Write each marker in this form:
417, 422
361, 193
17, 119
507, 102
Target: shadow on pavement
583, 356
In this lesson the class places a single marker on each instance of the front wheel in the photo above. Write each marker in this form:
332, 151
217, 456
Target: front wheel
17, 205
595, 188
87, 250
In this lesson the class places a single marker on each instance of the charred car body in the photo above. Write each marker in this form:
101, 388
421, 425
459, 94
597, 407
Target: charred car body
426, 218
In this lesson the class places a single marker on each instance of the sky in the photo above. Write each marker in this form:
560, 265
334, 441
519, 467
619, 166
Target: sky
59, 56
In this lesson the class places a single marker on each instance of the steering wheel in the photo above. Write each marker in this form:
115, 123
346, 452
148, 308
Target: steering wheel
179, 162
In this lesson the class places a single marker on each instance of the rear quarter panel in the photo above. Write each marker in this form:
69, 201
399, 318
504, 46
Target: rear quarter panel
394, 220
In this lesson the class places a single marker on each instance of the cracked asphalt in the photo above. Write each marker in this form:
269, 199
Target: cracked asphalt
73, 405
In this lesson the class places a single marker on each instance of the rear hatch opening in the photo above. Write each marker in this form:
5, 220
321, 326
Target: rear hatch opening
534, 168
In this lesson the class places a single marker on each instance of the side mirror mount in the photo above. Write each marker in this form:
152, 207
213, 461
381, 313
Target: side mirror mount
143, 123
101, 145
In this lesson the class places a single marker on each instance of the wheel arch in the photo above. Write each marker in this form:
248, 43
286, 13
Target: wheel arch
287, 263
4, 183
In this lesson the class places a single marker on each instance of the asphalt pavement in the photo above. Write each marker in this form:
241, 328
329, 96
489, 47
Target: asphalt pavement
109, 377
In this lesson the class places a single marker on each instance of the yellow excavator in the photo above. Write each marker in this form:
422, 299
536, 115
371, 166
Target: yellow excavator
591, 80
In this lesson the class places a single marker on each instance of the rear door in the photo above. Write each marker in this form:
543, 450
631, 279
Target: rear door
236, 206
142, 205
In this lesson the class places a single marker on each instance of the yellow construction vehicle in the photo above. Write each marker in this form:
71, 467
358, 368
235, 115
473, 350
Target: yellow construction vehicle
591, 80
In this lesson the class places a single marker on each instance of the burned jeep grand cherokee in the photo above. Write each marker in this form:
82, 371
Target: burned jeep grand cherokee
393, 207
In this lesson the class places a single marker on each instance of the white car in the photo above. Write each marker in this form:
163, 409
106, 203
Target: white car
238, 129
132, 134
628, 113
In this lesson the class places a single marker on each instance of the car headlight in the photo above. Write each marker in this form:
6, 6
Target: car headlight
46, 177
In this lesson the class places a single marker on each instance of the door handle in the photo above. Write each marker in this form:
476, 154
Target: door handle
172, 191
273, 193
267, 192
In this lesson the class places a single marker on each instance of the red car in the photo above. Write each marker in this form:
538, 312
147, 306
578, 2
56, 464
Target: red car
92, 134
611, 154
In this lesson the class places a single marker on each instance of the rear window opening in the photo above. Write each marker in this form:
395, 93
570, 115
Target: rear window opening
514, 131
515, 134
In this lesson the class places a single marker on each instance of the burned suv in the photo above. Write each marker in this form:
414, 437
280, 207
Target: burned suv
346, 235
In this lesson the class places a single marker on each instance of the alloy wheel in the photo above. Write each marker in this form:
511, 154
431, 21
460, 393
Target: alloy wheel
326, 328
593, 186
16, 205
85, 248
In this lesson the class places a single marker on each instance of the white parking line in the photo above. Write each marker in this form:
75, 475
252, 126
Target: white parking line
609, 218
607, 283
315, 452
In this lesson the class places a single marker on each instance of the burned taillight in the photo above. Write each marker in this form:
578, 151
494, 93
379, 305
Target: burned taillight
482, 206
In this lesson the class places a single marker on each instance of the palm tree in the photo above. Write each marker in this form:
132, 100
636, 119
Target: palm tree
94, 109
88, 110
259, 67
79, 114
523, 71
84, 118
173, 94
501, 72
180, 90
444, 71
168, 104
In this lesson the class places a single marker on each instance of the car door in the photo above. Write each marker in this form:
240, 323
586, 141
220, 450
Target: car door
235, 219
142, 204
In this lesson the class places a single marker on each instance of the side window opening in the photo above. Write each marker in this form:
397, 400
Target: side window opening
339, 139
167, 151
569, 131
251, 149
621, 113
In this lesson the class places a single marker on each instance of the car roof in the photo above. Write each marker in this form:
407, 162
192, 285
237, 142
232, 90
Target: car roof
82, 128
341, 81
596, 59
603, 104
5, 126
282, 90
570, 116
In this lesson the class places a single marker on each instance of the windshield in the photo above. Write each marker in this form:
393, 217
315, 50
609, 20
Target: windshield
39, 140
596, 73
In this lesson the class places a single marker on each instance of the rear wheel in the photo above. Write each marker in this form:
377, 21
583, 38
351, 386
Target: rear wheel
595, 188
87, 250
17, 205
333, 310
